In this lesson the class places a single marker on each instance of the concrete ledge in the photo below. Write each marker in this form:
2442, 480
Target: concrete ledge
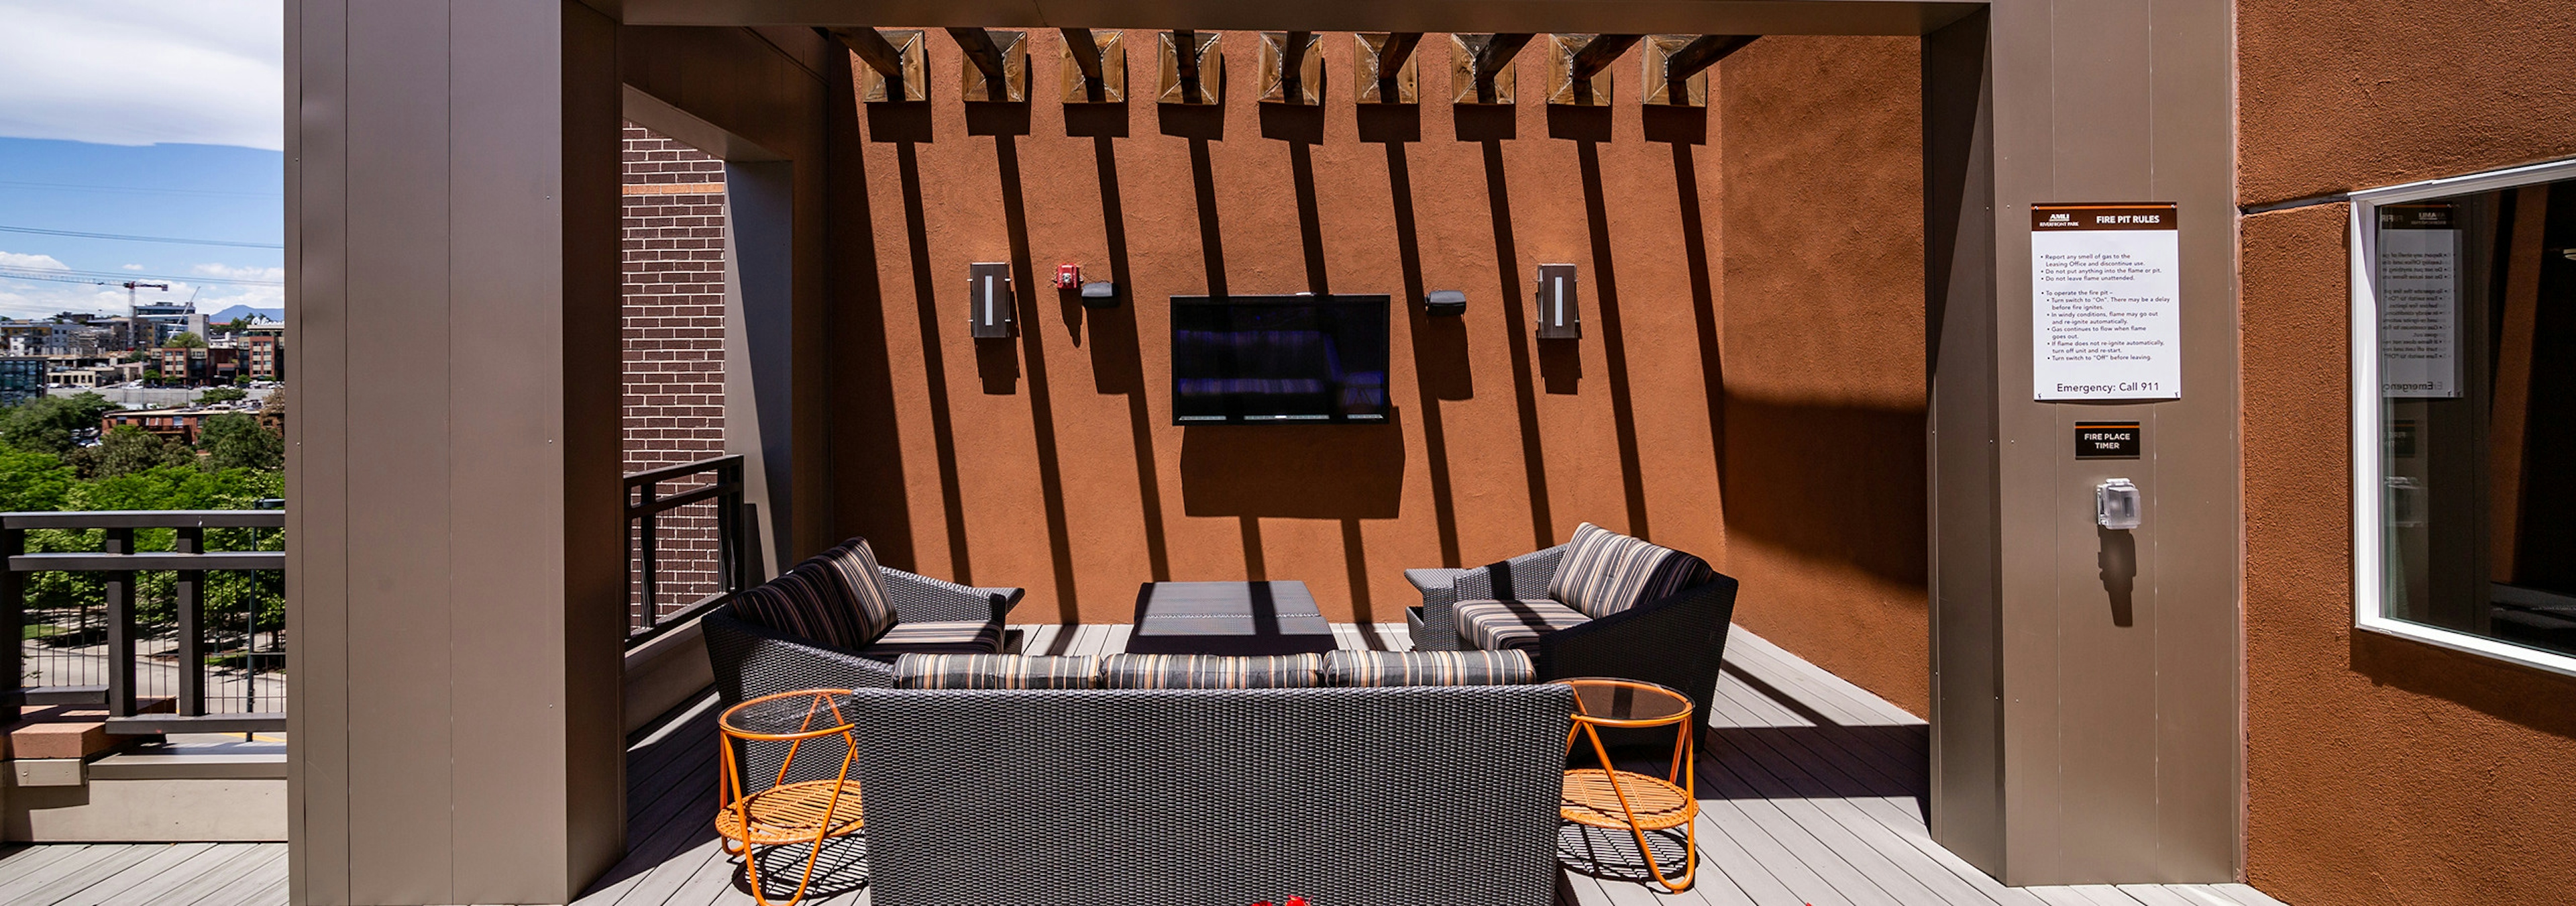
140, 811
665, 673
228, 760
49, 772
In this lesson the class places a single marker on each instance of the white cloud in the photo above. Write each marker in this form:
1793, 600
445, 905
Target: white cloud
48, 262
140, 72
39, 298
129, 267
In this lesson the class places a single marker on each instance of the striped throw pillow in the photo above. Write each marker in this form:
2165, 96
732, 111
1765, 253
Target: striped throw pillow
1605, 572
853, 569
996, 671
804, 602
1427, 668
1210, 671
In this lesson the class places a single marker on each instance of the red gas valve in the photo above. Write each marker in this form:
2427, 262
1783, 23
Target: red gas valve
1068, 276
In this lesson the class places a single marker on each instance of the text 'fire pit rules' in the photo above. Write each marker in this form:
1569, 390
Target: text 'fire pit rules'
2105, 303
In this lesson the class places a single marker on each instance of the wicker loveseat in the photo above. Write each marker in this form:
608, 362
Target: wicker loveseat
1347, 777
839, 620
1603, 604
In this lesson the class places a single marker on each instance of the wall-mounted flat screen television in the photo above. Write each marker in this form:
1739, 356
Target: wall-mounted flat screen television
1279, 359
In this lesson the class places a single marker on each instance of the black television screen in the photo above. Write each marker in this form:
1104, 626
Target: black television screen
1273, 359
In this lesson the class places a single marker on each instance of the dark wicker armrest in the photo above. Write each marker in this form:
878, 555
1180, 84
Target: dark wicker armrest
1525, 576
752, 660
922, 598
1677, 642
1439, 597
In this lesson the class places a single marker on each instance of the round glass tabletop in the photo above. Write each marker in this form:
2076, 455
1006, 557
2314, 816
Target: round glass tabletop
807, 712
1605, 698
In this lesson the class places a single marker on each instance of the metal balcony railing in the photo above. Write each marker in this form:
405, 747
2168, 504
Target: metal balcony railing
712, 490
101, 654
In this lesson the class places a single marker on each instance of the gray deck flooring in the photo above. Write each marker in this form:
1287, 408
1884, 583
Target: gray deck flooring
1812, 794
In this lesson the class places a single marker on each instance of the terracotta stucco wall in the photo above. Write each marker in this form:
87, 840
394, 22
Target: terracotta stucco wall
2378, 771
1824, 391
1050, 461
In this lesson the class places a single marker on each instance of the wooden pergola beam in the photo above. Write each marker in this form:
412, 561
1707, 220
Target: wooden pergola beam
1493, 52
1390, 59
1589, 61
874, 50
1185, 58
981, 51
1702, 53
1086, 57
1292, 63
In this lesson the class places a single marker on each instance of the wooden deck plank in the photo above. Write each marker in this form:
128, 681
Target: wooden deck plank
197, 889
62, 887
25, 859
250, 888
157, 886
2245, 894
1811, 794
163, 858
26, 884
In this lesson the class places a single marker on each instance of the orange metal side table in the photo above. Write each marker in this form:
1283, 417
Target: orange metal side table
1609, 798
785, 813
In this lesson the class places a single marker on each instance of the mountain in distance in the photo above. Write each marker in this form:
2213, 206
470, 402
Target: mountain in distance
237, 311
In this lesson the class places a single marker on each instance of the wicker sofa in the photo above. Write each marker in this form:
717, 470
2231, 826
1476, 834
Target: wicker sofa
1602, 604
1346, 777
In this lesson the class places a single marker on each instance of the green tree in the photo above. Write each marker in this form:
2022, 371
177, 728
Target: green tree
222, 395
33, 481
185, 340
234, 440
46, 424
128, 450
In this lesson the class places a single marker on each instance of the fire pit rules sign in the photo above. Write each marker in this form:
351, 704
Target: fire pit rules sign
2105, 303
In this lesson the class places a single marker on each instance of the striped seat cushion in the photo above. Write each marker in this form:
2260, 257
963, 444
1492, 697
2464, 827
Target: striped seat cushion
853, 569
1427, 668
1210, 671
941, 637
1605, 572
995, 671
806, 603
1500, 625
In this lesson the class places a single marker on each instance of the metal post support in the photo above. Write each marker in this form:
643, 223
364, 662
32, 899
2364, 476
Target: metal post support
120, 628
13, 616
191, 595
652, 607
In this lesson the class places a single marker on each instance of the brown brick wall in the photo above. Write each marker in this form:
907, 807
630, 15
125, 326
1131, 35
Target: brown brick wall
674, 341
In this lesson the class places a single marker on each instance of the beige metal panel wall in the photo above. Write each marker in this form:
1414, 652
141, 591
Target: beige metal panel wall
2120, 741
457, 606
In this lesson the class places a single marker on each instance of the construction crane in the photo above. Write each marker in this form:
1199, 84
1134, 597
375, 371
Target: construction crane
133, 314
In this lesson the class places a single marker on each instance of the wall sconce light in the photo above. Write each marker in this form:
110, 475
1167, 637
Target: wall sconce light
1578, 67
896, 69
1093, 68
1383, 68
1292, 67
997, 65
1480, 67
1445, 303
1196, 76
1558, 318
991, 310
1100, 294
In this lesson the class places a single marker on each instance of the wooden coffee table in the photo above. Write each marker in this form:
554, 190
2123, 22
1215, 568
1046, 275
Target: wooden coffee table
1239, 618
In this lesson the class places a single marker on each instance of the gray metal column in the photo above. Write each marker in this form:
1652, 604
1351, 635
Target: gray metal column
2086, 688
457, 558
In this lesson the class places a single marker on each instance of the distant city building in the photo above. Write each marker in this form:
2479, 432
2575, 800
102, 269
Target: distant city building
191, 366
174, 424
22, 378
263, 355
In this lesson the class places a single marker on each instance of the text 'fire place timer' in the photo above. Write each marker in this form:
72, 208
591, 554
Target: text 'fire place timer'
990, 310
1558, 319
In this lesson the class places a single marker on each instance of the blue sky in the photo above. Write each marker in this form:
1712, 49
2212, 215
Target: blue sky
159, 118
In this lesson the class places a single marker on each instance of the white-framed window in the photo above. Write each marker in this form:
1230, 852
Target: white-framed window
2464, 413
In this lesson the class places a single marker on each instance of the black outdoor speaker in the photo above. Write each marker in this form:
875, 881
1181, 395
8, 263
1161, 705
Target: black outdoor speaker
1445, 303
